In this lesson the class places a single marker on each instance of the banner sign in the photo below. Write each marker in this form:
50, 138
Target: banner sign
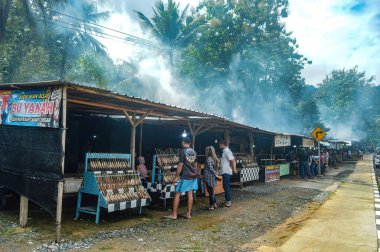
37, 107
281, 141
307, 142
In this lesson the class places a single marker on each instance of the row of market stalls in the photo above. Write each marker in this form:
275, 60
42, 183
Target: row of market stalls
59, 137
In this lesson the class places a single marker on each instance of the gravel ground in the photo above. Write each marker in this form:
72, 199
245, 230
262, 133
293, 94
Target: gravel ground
256, 209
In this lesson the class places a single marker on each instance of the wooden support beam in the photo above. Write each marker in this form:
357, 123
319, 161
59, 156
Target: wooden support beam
141, 119
227, 137
58, 236
133, 142
206, 129
251, 144
141, 139
24, 202
192, 133
190, 127
129, 118
58, 217
199, 128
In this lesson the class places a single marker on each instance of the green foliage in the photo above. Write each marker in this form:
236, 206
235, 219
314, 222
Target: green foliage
237, 55
34, 47
349, 98
167, 22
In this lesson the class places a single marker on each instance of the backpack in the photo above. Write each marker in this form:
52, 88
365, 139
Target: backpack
188, 165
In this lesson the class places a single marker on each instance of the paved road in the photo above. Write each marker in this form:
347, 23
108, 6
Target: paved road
346, 222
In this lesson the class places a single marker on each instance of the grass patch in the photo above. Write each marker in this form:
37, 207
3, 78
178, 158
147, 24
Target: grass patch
6, 232
106, 248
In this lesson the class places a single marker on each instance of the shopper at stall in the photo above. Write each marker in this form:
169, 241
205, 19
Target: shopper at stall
227, 165
142, 168
305, 160
327, 158
323, 162
186, 177
313, 165
210, 174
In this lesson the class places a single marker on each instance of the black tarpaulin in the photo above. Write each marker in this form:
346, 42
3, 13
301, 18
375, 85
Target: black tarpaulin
30, 163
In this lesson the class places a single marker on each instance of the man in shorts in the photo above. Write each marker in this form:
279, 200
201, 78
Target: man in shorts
186, 177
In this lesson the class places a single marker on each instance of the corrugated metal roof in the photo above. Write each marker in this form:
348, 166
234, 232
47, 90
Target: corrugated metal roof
102, 90
143, 101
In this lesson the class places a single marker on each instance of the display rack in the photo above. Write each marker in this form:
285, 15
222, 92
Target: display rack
109, 177
164, 169
248, 170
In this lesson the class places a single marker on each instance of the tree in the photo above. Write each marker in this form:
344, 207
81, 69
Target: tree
78, 38
28, 10
242, 48
346, 97
167, 24
47, 48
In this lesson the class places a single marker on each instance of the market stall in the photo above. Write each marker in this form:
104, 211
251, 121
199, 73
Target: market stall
248, 170
165, 163
110, 178
52, 125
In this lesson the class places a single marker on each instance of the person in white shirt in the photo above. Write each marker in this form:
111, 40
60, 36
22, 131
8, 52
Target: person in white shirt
327, 158
227, 165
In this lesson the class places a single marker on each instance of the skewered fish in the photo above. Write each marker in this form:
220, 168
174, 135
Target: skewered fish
109, 164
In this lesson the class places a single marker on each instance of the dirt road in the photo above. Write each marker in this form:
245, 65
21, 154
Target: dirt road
256, 210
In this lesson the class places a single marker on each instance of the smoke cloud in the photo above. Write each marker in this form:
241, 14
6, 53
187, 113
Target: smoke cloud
157, 81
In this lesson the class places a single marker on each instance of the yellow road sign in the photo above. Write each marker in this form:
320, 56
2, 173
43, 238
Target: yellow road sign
318, 134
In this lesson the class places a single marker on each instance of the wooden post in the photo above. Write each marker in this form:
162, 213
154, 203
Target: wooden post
134, 124
58, 218
251, 144
271, 153
193, 134
141, 138
24, 202
133, 141
227, 137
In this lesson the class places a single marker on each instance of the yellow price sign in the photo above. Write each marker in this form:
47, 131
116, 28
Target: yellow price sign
318, 134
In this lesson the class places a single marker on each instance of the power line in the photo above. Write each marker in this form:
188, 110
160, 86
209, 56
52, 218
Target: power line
93, 32
132, 40
98, 25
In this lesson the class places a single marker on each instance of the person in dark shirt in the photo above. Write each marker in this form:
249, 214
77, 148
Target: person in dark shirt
305, 162
186, 177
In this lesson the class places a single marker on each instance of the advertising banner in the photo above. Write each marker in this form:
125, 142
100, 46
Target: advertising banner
306, 142
284, 169
37, 107
281, 141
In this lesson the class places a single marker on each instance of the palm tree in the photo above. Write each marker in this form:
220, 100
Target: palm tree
167, 24
78, 37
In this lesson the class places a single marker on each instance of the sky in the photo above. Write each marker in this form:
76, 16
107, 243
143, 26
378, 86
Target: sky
331, 33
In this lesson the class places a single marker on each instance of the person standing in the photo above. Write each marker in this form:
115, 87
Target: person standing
210, 174
227, 165
312, 165
327, 158
186, 177
305, 160
142, 168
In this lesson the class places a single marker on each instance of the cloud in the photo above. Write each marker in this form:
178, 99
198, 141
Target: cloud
336, 34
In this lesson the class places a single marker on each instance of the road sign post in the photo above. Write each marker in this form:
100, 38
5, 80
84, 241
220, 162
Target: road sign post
318, 134
319, 154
